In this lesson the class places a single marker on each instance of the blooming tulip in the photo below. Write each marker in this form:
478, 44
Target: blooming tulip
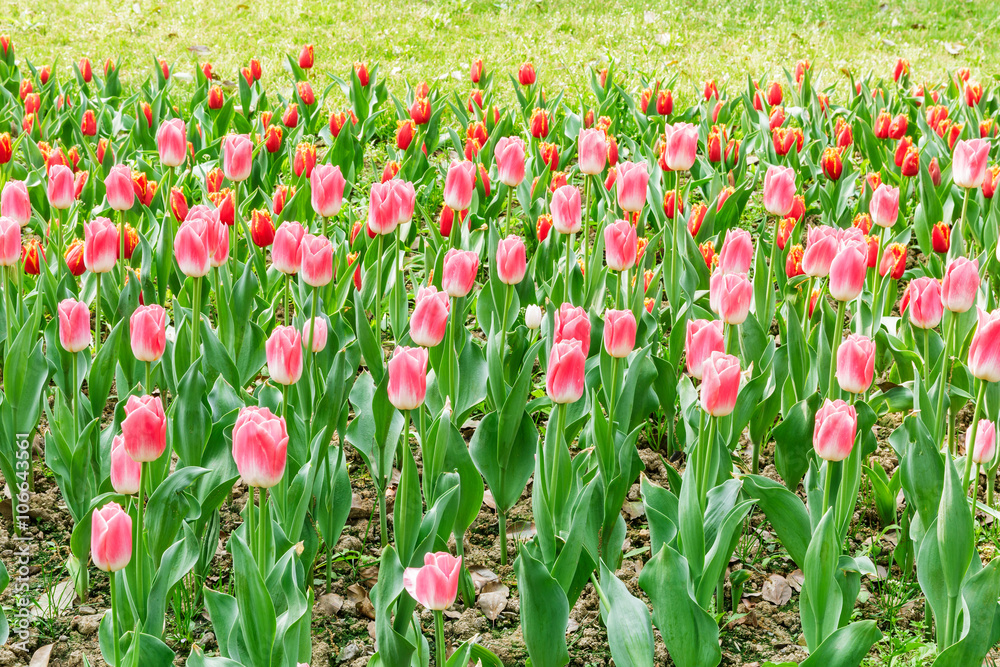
969, 166
148, 330
125, 471
592, 151
61, 187
893, 261
960, 285
171, 142
435, 585
74, 325
119, 188
327, 185
100, 249
509, 156
925, 307
824, 242
383, 209
512, 261
847, 272
729, 296
702, 339
564, 380
984, 351
720, 384
737, 252
572, 323
144, 428
197, 241
429, 321
834, 431
237, 157
620, 245
317, 260
286, 252
884, 206
567, 215
14, 202
111, 538
260, 447
631, 182
619, 333
985, 446
459, 184
779, 190
856, 363
407, 377
10, 241
680, 147
284, 355
459, 274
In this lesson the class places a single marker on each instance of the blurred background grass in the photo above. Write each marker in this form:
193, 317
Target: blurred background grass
436, 40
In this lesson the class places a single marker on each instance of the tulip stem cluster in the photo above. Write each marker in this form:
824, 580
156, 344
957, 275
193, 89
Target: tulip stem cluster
195, 318
838, 333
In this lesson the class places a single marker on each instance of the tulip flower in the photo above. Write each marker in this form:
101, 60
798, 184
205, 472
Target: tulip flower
893, 261
526, 74
533, 317
631, 182
327, 189
314, 334
984, 351
144, 428
925, 307
171, 142
197, 241
317, 260
111, 538
592, 151
832, 163
10, 241
620, 245
985, 446
284, 355
61, 187
237, 157
383, 209
306, 56
74, 325
14, 202
702, 339
779, 190
564, 380
407, 377
119, 188
125, 472
459, 274
824, 242
435, 586
286, 252
148, 330
429, 321
720, 384
856, 364
261, 228
407, 198
834, 431
100, 250
567, 214
960, 285
260, 445
459, 184
968, 168
681, 146
512, 261
509, 156
737, 252
572, 323
847, 272
884, 206
729, 296
619, 333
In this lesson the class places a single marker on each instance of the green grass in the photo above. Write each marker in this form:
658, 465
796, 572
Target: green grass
435, 40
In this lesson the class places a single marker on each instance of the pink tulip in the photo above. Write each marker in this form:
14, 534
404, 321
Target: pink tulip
286, 251
111, 538
62, 189
10, 241
74, 325
925, 307
15, 203
779, 190
729, 296
836, 426
171, 142
407, 198
326, 184
119, 188
460, 267
737, 252
856, 364
681, 146
237, 157
848, 271
435, 585
985, 446
260, 447
318, 336
884, 206
564, 381
221, 254
430, 317
383, 209
407, 377
702, 339
619, 333
824, 242
572, 323
984, 352
592, 151
317, 260
631, 183
621, 246
284, 355
144, 428
100, 245
459, 185
969, 166
720, 384
512, 260
567, 215
148, 329
961, 284
509, 156
195, 245
124, 471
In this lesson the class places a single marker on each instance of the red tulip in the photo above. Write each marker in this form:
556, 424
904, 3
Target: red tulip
539, 123
317, 260
61, 187
737, 252
306, 56
969, 166
512, 261
779, 190
290, 118
10, 241
405, 131
261, 228
74, 325
632, 182
856, 363
447, 217
526, 74
848, 271
216, 98
620, 245
833, 434
564, 380
459, 273
893, 261
619, 333
144, 428
361, 70
720, 384
124, 471
542, 227
435, 585
681, 146
960, 285
476, 71
668, 207
897, 129
925, 307
784, 232
991, 182
178, 204
32, 254
86, 70
110, 538
407, 377
260, 446
729, 296
420, 111
304, 160
833, 163
702, 339
823, 245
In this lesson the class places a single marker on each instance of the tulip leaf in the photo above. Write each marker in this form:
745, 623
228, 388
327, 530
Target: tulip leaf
793, 440
630, 629
544, 612
980, 596
167, 509
175, 563
821, 599
846, 647
786, 513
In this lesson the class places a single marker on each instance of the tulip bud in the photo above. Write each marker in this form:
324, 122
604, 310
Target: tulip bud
985, 446
632, 183
737, 252
260, 446
317, 260
729, 296
619, 333
148, 330
968, 168
720, 384
779, 190
429, 321
144, 428
407, 377
702, 339
459, 185
833, 164
526, 74
304, 160
960, 285
925, 307
511, 263
100, 245
124, 471
509, 156
856, 364
284, 355
306, 56
533, 317
564, 380
620, 245
111, 538
835, 430
893, 261
459, 273
847, 273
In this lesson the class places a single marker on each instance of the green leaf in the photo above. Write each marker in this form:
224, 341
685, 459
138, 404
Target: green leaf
955, 532
846, 647
821, 598
786, 513
793, 440
630, 630
544, 612
257, 614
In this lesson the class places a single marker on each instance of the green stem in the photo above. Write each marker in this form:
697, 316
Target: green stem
975, 493
502, 529
569, 265
439, 651
262, 533
195, 319
970, 440
961, 221
121, 246
827, 479
251, 531
706, 462
76, 395
941, 413
838, 333
927, 356
675, 252
378, 296
288, 280
9, 307
586, 221
805, 307
560, 442
97, 317
382, 520
506, 220
114, 619
508, 297
313, 361
149, 378
139, 532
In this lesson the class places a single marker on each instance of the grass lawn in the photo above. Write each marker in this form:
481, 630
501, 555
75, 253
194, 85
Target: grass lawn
436, 40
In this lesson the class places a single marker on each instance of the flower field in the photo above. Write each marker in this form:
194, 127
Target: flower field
611, 379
